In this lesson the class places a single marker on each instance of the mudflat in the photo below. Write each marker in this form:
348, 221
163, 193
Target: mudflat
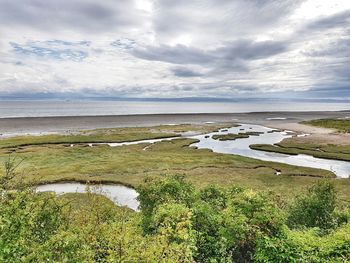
282, 120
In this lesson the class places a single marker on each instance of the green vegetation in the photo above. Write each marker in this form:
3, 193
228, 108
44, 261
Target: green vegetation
320, 149
112, 135
130, 165
233, 136
327, 151
217, 210
315, 209
177, 223
341, 125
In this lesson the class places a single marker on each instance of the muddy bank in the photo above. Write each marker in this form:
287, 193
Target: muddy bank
42, 125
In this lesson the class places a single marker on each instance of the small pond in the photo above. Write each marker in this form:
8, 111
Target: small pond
119, 194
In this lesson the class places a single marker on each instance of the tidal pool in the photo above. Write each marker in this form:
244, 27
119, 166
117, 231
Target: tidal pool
241, 147
119, 194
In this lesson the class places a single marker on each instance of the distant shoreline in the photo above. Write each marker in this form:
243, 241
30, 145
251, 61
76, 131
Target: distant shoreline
179, 114
103, 109
23, 125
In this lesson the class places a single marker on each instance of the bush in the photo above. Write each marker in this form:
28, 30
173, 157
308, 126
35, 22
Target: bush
315, 208
177, 223
160, 190
305, 246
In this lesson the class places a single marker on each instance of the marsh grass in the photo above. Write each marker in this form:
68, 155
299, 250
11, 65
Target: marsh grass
320, 150
233, 136
336, 152
341, 125
130, 165
112, 135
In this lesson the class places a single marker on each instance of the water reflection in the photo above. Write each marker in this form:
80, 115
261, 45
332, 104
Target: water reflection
241, 147
119, 194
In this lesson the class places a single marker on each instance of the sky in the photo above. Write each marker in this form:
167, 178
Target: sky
175, 49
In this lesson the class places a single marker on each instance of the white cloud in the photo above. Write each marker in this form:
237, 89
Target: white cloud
165, 48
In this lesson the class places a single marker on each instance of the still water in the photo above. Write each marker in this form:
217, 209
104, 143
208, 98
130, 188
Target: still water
241, 147
119, 194
97, 108
126, 196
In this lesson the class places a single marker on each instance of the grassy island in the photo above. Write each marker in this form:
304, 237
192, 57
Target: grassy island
233, 136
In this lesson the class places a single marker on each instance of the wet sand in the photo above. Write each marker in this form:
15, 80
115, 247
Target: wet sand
283, 120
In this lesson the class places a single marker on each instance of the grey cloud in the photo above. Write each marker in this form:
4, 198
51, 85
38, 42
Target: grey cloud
177, 55
219, 17
326, 48
66, 43
337, 20
124, 43
221, 56
250, 50
343, 72
86, 15
336, 49
340, 92
232, 56
185, 72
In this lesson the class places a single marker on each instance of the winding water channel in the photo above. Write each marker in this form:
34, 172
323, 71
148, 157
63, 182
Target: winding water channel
241, 147
126, 196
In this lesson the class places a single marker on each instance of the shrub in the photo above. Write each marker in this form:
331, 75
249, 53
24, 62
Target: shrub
160, 190
315, 208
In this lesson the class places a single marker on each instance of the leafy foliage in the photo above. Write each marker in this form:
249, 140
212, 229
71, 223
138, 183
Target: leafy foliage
176, 223
156, 192
316, 208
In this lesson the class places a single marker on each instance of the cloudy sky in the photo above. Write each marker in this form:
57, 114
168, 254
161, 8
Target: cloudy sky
172, 49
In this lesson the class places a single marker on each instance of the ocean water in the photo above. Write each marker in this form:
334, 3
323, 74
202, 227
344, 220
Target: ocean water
95, 108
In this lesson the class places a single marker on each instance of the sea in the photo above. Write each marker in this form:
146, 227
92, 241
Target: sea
9, 109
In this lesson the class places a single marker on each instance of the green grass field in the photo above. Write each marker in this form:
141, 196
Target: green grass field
129, 165
336, 152
112, 135
341, 125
